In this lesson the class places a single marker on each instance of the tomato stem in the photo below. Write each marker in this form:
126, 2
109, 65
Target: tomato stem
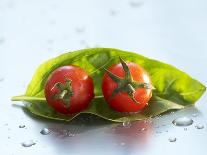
65, 92
126, 84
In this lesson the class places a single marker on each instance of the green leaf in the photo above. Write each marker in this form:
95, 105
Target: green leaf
174, 88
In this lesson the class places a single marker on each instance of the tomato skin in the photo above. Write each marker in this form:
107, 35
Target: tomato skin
81, 84
122, 102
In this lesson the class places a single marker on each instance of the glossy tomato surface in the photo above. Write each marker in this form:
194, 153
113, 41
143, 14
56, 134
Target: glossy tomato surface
121, 102
81, 89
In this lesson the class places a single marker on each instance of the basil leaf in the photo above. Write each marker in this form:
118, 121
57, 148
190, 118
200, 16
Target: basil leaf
174, 88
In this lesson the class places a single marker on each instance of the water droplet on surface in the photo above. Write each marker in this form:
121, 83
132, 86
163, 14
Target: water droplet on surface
50, 41
21, 126
135, 3
28, 143
143, 129
199, 126
80, 29
45, 131
158, 132
112, 12
194, 115
2, 40
172, 139
122, 144
83, 42
126, 124
182, 121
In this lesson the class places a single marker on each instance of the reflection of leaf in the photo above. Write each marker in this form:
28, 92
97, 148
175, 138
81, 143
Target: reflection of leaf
174, 88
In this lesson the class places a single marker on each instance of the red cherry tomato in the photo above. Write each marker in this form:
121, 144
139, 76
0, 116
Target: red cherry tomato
126, 87
69, 89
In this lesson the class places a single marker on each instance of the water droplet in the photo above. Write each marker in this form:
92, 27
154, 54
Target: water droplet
52, 22
50, 41
126, 124
185, 129
21, 126
172, 139
79, 29
2, 40
122, 144
182, 121
158, 132
83, 42
71, 135
135, 3
143, 129
112, 12
28, 143
194, 115
199, 126
45, 131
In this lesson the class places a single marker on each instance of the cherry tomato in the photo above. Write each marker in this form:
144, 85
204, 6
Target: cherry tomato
69, 89
126, 87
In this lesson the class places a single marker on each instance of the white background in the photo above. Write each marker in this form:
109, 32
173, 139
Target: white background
31, 31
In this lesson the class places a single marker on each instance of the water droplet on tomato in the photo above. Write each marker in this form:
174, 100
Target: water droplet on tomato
182, 121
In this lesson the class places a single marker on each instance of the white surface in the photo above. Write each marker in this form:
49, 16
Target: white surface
33, 31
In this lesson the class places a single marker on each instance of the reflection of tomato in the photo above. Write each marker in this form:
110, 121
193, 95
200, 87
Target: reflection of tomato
138, 132
126, 87
69, 89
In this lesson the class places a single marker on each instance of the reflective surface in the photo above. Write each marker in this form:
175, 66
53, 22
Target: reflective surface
33, 31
